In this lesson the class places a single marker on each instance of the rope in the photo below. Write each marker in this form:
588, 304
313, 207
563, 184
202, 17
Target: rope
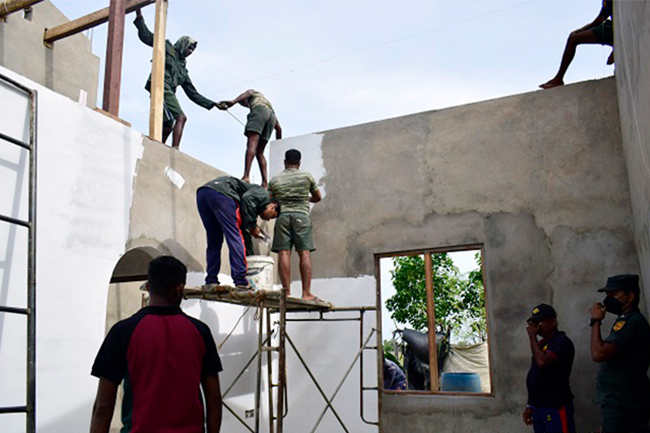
233, 116
255, 299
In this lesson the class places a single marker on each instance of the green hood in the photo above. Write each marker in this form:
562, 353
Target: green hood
182, 44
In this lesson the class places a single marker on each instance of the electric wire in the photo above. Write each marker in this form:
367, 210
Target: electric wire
370, 47
381, 44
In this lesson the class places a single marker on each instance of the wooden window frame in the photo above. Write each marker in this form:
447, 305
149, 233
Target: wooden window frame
433, 355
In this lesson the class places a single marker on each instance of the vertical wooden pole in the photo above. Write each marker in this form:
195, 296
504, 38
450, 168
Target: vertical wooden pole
431, 322
158, 72
114, 48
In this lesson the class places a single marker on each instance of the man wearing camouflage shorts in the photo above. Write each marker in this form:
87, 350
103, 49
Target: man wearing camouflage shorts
294, 189
260, 124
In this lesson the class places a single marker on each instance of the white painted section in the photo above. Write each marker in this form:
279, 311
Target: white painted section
175, 177
312, 157
86, 169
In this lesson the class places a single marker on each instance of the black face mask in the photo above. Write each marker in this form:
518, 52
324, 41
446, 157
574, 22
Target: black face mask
613, 305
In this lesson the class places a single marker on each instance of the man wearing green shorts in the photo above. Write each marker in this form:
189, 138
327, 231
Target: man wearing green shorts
176, 74
260, 124
599, 31
294, 189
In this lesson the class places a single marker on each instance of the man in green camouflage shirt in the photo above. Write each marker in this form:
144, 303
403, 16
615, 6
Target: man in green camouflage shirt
176, 74
294, 189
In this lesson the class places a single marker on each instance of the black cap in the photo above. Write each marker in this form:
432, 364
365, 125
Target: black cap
541, 312
627, 282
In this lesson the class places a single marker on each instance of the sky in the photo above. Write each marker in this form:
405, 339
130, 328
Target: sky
336, 63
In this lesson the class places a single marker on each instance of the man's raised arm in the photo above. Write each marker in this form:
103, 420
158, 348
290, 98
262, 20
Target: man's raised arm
143, 32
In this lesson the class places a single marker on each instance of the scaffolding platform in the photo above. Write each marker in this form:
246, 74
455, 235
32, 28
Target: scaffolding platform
270, 298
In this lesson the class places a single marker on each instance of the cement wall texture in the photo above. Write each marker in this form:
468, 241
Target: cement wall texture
632, 41
538, 179
67, 68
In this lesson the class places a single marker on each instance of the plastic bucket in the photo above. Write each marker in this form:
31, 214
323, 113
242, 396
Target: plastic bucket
460, 382
260, 272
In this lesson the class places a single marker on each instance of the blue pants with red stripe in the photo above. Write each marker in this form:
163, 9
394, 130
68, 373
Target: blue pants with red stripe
220, 216
553, 419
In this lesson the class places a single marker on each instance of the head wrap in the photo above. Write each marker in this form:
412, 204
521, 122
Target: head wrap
182, 44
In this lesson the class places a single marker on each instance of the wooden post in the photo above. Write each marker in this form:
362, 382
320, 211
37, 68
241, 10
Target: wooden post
158, 72
11, 6
431, 322
114, 48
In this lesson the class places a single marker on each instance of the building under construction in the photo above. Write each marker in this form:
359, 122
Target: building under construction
551, 187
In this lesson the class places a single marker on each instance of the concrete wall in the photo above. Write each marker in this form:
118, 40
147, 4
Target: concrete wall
633, 81
538, 179
107, 195
67, 68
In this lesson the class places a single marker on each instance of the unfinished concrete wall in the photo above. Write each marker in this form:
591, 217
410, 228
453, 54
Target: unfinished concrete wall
68, 68
539, 179
633, 82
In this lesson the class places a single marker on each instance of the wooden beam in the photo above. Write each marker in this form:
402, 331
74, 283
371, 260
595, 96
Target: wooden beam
11, 6
88, 21
431, 323
158, 72
114, 48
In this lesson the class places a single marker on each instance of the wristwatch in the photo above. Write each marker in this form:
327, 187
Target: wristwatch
592, 321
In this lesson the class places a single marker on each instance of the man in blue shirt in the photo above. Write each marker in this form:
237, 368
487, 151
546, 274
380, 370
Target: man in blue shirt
550, 401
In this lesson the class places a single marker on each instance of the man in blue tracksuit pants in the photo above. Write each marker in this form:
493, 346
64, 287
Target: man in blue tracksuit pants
229, 207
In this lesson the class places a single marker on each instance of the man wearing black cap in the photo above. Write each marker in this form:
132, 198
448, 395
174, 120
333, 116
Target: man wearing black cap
550, 401
624, 357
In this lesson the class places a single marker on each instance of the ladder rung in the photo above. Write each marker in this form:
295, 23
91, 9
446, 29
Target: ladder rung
11, 220
370, 388
14, 310
13, 409
16, 142
270, 349
370, 348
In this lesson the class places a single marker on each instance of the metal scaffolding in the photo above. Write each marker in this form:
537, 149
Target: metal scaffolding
269, 303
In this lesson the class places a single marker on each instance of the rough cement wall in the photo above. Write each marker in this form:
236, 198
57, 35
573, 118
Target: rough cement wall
164, 214
67, 68
539, 179
633, 82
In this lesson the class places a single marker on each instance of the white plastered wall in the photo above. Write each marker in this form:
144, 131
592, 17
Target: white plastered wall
86, 168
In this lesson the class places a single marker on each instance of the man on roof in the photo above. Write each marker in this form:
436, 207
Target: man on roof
176, 74
599, 31
260, 124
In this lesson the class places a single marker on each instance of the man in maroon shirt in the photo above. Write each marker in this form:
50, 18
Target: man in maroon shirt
164, 358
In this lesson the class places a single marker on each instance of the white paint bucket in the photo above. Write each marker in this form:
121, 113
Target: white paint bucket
260, 272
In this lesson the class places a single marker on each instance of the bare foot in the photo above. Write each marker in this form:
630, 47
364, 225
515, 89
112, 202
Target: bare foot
311, 297
555, 82
246, 179
265, 185
610, 59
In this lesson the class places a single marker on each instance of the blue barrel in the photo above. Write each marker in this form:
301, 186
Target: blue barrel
460, 382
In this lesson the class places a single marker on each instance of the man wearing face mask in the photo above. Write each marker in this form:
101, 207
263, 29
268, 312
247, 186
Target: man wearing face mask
624, 357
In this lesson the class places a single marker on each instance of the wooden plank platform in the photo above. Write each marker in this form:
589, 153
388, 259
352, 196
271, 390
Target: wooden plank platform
271, 298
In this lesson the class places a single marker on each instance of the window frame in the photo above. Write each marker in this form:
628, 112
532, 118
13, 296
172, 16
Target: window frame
433, 365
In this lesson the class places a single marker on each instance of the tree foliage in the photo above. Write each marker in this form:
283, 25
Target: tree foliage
459, 299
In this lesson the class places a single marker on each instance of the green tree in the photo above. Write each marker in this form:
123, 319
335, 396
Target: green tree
459, 300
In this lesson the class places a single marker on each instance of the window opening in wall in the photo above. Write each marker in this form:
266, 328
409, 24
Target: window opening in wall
440, 290
27, 13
